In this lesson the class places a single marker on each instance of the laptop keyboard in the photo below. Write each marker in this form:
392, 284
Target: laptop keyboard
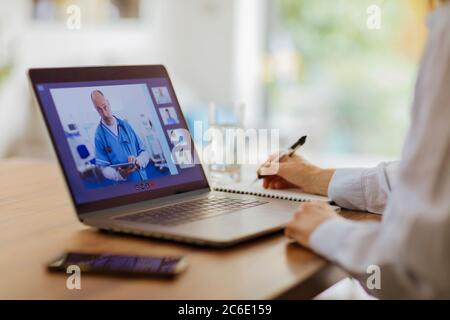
191, 210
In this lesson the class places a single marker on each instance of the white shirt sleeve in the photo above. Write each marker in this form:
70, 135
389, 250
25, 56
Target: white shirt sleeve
142, 159
363, 189
411, 245
112, 174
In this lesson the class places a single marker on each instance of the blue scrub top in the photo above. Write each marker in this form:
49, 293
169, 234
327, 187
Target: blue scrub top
171, 120
111, 149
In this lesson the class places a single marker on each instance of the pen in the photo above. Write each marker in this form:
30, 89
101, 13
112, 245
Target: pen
288, 153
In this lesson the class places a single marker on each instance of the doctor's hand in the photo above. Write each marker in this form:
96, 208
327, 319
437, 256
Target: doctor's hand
126, 172
306, 219
133, 159
296, 172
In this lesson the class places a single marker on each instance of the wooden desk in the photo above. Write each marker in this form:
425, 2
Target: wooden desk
38, 222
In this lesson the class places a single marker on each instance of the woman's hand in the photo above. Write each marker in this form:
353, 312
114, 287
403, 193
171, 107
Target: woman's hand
306, 219
298, 173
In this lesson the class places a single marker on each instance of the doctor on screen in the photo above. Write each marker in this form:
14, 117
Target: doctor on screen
117, 143
170, 120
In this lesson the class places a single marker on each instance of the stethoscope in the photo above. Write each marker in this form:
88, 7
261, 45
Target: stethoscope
108, 148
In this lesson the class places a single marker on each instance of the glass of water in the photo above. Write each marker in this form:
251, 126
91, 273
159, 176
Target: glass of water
223, 124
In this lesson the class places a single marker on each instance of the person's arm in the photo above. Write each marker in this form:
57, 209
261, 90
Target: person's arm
357, 188
112, 174
365, 189
411, 246
102, 160
295, 172
410, 252
142, 158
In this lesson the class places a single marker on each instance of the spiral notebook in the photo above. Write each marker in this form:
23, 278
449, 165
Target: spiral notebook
259, 191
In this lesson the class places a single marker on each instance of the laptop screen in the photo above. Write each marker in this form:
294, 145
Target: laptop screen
115, 138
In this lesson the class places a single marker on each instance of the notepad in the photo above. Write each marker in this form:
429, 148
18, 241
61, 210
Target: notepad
259, 191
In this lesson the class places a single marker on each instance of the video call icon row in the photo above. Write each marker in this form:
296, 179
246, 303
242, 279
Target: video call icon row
178, 137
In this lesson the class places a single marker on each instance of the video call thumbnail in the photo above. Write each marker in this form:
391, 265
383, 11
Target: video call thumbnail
169, 116
183, 156
178, 136
114, 134
161, 95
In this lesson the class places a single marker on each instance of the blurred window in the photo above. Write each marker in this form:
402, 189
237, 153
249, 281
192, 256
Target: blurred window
346, 85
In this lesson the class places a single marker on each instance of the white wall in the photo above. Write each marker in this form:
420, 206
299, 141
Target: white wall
197, 37
216, 47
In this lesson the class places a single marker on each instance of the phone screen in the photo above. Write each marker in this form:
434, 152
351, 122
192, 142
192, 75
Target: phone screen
120, 264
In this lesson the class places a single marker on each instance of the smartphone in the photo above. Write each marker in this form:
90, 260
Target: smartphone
120, 264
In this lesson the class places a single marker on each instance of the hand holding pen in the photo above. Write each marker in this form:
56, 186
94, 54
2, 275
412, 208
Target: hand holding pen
280, 158
293, 171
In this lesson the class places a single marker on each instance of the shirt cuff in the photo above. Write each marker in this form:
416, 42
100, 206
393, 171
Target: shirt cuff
142, 159
346, 188
111, 174
327, 237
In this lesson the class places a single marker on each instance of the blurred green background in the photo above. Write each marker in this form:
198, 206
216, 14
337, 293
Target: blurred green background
361, 79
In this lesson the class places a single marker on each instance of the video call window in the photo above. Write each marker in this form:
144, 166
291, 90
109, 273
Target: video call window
169, 116
114, 134
178, 137
161, 95
183, 156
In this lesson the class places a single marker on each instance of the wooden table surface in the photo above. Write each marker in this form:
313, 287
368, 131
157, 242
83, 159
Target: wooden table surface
38, 223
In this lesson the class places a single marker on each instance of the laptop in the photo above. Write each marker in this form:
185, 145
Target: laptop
112, 129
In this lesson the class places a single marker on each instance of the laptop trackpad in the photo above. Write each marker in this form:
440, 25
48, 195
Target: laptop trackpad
242, 224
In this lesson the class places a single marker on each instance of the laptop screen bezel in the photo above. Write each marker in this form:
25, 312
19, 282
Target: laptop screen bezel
84, 74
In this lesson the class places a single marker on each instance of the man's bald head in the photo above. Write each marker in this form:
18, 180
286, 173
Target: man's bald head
97, 96
102, 106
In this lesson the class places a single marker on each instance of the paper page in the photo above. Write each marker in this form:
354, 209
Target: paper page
257, 189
